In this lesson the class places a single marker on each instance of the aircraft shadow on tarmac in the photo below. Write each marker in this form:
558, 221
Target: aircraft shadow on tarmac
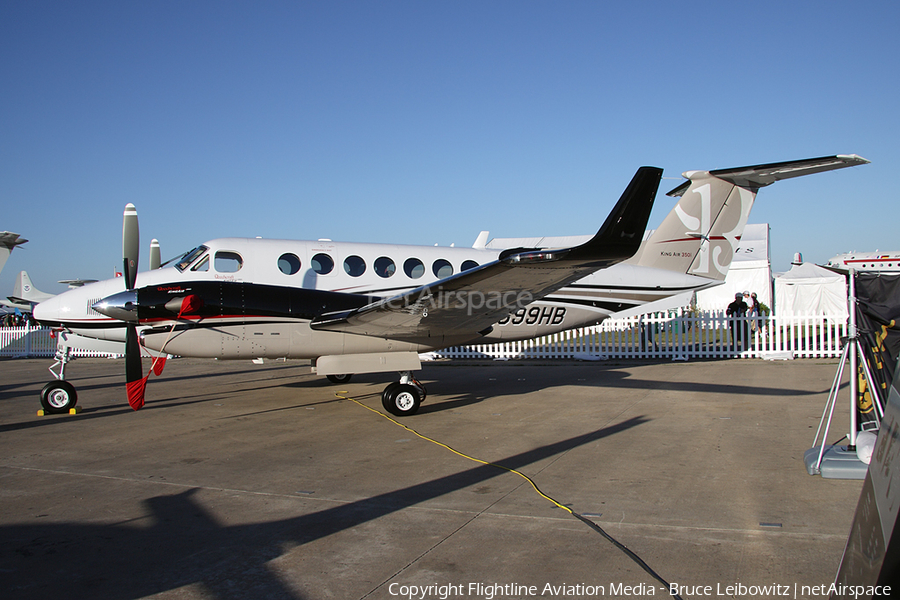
506, 380
186, 545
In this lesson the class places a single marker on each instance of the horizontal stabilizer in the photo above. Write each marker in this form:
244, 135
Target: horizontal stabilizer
757, 176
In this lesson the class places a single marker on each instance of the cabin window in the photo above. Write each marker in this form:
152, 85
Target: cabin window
322, 264
354, 266
384, 267
414, 268
468, 264
289, 263
228, 262
190, 257
442, 268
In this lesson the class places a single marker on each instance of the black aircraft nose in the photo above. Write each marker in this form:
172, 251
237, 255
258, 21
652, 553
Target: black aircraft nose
121, 306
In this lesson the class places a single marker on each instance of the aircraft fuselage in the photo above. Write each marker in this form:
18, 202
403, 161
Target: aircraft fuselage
260, 296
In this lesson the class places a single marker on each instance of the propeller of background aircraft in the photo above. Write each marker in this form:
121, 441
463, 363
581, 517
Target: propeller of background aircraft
154, 254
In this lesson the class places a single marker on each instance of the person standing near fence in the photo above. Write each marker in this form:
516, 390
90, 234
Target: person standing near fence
736, 309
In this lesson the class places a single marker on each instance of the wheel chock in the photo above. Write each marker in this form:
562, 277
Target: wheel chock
72, 411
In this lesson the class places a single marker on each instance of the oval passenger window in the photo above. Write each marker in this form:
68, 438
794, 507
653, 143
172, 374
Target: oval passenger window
354, 266
288, 263
384, 267
322, 264
414, 268
442, 268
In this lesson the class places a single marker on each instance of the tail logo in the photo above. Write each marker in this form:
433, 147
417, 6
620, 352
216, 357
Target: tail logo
719, 236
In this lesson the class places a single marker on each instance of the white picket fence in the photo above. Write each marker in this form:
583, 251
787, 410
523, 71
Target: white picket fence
35, 342
675, 336
678, 337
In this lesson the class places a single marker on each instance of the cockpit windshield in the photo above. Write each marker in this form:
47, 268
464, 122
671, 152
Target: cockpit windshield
188, 257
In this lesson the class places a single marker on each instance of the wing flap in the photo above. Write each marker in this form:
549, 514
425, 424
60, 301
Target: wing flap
470, 302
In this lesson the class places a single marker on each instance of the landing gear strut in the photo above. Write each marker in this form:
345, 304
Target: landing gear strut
403, 398
59, 396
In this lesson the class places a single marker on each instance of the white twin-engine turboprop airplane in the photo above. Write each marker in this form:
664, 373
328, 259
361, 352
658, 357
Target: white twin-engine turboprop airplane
368, 308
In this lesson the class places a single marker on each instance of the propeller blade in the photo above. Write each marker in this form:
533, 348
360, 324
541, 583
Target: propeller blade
136, 391
131, 241
136, 383
155, 259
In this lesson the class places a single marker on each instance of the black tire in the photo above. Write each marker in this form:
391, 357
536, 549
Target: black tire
339, 378
401, 400
58, 397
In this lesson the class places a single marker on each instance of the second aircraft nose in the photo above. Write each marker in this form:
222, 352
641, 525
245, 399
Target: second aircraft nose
121, 306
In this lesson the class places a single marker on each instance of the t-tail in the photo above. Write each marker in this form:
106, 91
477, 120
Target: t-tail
701, 234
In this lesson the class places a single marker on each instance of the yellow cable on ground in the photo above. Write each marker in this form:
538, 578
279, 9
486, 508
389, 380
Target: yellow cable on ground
637, 559
472, 458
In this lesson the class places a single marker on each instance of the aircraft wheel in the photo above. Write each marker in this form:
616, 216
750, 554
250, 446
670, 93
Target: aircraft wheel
402, 400
58, 397
339, 378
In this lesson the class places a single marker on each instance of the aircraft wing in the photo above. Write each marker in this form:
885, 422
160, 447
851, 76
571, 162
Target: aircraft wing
471, 301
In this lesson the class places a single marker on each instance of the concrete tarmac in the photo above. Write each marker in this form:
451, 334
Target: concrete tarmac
246, 481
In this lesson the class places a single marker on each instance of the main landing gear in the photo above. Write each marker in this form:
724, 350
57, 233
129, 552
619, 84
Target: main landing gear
403, 398
59, 396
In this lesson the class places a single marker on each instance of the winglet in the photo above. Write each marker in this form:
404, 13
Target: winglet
618, 238
621, 234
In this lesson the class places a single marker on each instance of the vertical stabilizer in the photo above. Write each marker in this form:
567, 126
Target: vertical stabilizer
25, 292
700, 235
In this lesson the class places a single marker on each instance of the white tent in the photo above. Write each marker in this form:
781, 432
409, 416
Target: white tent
809, 289
750, 271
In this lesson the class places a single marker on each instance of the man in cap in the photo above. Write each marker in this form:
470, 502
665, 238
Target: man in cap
737, 309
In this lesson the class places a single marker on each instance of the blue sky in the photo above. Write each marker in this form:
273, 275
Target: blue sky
426, 122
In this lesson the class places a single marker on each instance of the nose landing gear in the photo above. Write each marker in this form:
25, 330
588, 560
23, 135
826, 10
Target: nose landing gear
59, 396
